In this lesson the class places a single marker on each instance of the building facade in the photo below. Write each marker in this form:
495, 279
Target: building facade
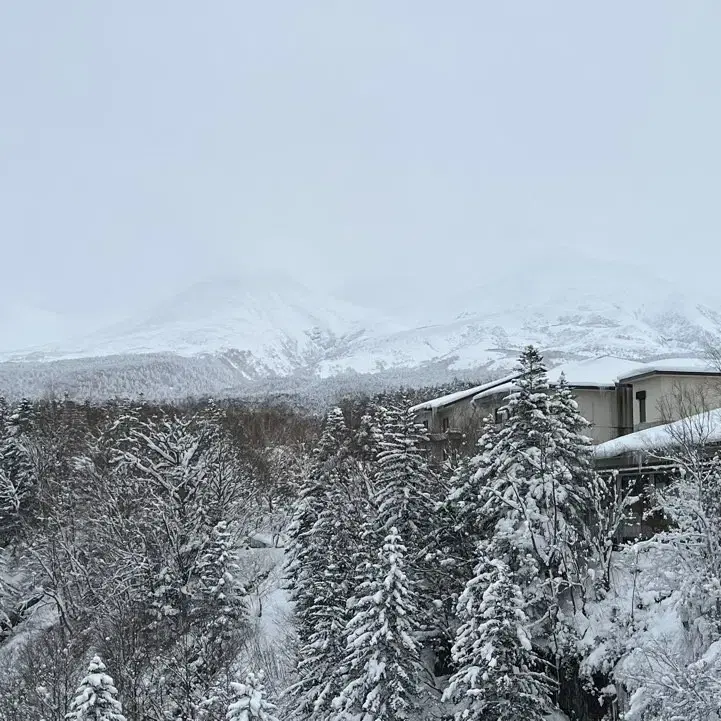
617, 396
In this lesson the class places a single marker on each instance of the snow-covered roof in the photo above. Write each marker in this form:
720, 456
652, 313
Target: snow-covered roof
701, 428
671, 365
451, 398
602, 372
592, 373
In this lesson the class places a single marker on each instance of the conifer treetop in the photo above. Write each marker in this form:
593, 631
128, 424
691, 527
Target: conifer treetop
95, 698
382, 655
251, 703
500, 677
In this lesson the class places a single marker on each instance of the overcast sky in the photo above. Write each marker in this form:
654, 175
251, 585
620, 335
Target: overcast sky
145, 145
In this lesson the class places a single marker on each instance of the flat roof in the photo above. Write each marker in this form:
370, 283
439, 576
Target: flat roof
591, 373
675, 366
601, 372
698, 429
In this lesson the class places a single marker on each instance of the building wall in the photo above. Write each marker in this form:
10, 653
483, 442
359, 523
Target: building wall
460, 416
671, 397
600, 409
425, 417
668, 397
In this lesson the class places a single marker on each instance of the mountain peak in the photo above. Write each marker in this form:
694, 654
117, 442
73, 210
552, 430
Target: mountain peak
279, 326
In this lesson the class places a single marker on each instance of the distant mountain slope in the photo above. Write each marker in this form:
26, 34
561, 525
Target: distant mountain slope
582, 309
220, 336
262, 326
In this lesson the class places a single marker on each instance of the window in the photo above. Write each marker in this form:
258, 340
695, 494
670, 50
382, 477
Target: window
445, 424
641, 398
425, 423
500, 415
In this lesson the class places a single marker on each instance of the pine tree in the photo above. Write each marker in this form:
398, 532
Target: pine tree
407, 489
527, 498
18, 474
460, 516
95, 699
382, 660
218, 587
23, 416
534, 483
251, 703
320, 567
366, 442
306, 560
458, 533
219, 605
499, 676
573, 490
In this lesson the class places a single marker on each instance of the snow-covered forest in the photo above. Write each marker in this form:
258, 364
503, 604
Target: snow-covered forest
220, 560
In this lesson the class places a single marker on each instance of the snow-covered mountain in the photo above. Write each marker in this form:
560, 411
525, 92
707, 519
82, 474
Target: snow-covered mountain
266, 325
584, 310
250, 329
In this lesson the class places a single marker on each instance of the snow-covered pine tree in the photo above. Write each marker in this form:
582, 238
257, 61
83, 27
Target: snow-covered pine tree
23, 416
366, 442
499, 676
457, 533
306, 560
382, 658
535, 482
568, 519
577, 481
251, 702
18, 472
407, 488
220, 605
323, 536
96, 697
460, 519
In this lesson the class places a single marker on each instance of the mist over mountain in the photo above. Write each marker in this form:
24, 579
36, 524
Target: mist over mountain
258, 328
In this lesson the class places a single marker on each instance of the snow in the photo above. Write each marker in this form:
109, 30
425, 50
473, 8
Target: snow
703, 427
606, 371
592, 373
281, 322
671, 365
574, 309
451, 398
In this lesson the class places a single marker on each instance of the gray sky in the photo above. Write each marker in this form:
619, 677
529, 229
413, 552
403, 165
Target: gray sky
145, 145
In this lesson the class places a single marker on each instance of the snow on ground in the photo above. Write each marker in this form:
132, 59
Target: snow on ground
641, 610
42, 616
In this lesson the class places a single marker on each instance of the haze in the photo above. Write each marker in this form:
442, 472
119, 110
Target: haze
362, 147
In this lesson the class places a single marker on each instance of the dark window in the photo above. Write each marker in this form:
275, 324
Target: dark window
445, 424
425, 423
641, 398
500, 415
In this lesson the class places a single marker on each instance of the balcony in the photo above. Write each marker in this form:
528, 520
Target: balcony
451, 434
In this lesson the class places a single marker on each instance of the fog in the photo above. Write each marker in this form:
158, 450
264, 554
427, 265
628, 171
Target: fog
364, 148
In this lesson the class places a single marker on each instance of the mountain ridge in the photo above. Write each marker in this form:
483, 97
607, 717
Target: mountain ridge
272, 327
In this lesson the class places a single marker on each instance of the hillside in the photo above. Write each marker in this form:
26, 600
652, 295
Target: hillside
235, 334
